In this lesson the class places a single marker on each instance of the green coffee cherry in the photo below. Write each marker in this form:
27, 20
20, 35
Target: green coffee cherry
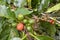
20, 17
25, 21
31, 21
29, 28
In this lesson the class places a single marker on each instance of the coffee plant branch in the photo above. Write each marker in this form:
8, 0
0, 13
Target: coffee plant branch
51, 18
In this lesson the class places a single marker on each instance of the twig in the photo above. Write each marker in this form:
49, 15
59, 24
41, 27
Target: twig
51, 18
28, 35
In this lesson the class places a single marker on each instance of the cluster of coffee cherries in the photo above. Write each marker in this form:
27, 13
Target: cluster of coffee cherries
24, 23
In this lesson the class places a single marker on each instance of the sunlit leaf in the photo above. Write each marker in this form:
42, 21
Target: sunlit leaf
54, 8
3, 11
22, 11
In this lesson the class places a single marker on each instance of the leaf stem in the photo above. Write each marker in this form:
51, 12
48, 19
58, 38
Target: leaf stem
24, 37
34, 36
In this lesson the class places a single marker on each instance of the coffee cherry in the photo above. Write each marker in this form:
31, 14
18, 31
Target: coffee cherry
29, 28
20, 17
31, 21
20, 26
25, 21
51, 21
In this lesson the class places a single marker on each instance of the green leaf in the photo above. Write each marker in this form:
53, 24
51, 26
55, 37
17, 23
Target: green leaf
54, 8
13, 34
6, 12
22, 11
2, 1
29, 3
1, 24
15, 38
18, 3
2, 20
8, 1
5, 31
48, 27
43, 5
0, 27
34, 3
3, 11
10, 14
44, 38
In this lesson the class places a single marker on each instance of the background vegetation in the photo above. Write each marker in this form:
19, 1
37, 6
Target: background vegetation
29, 19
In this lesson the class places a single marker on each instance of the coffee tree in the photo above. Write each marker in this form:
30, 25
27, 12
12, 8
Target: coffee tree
29, 19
